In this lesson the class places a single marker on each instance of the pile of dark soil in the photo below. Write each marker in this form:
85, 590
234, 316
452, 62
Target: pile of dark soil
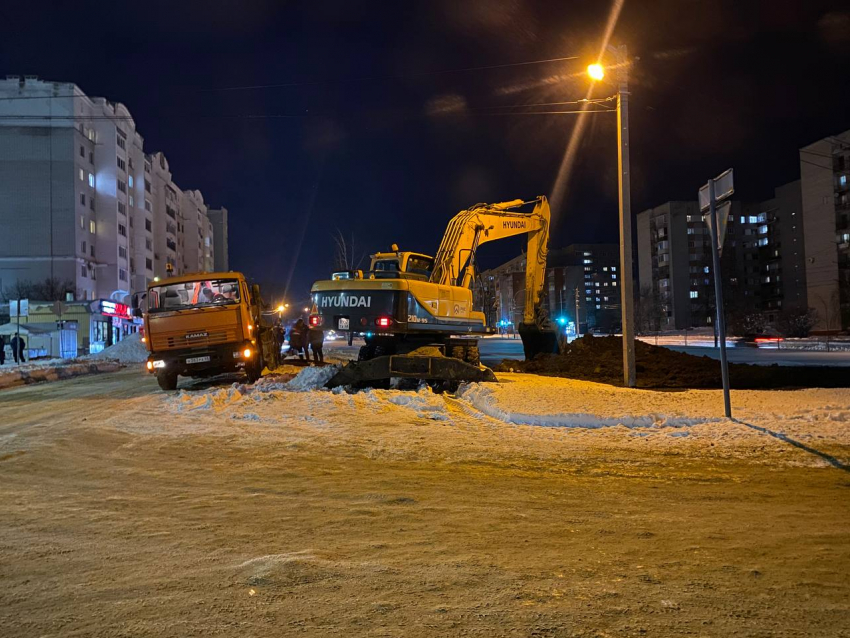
601, 359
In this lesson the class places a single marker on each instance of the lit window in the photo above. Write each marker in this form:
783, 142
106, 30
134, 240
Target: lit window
753, 219
605, 268
91, 180
613, 269
587, 298
82, 223
613, 276
130, 181
82, 175
598, 306
588, 261
614, 284
587, 254
92, 227
694, 294
743, 220
705, 269
843, 180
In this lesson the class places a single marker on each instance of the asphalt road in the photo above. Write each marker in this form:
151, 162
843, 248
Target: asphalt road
494, 350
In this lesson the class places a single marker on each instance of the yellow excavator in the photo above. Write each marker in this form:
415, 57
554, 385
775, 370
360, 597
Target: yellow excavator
415, 312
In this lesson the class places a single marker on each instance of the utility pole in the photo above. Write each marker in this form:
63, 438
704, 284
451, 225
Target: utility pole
578, 322
718, 298
623, 164
708, 200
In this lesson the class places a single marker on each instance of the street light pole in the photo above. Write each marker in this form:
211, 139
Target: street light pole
626, 274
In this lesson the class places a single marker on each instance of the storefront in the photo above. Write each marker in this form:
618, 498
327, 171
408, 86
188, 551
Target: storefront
111, 322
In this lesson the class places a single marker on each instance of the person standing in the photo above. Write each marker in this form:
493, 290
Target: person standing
2, 350
316, 337
18, 348
296, 338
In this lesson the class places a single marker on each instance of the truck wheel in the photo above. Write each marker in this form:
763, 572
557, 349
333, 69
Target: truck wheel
167, 381
473, 355
366, 352
254, 370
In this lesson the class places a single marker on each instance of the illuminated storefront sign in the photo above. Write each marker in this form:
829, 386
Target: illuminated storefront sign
115, 309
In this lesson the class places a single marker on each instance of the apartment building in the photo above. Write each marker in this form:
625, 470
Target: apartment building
582, 282
218, 218
84, 202
825, 177
762, 264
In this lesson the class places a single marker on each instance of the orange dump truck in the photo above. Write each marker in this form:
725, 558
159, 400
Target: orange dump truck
206, 324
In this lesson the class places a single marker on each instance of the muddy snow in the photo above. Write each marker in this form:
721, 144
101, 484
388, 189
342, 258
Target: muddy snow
539, 506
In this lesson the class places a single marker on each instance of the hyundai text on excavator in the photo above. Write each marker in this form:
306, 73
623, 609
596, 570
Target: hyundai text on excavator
416, 312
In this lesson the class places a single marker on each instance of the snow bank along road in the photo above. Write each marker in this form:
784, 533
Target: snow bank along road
239, 511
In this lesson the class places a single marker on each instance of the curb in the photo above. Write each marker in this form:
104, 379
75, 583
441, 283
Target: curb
16, 378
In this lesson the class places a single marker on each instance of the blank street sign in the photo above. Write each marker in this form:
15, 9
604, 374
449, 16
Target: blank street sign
724, 186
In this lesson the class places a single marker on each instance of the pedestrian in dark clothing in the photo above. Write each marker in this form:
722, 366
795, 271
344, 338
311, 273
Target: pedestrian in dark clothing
298, 338
18, 348
316, 337
278, 336
2, 350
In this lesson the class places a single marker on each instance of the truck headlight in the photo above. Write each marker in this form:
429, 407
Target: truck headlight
159, 364
247, 353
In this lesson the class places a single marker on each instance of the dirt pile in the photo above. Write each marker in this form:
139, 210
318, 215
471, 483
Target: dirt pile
601, 359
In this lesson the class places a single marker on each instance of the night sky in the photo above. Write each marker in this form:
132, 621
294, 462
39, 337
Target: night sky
374, 129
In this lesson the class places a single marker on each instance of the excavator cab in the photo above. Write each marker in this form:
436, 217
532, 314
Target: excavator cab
401, 265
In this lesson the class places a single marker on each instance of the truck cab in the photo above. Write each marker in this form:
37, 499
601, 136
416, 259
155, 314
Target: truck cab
206, 324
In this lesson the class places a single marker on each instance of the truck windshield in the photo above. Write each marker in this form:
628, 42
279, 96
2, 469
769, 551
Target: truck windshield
193, 294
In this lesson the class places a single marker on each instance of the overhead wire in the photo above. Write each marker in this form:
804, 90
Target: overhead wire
392, 76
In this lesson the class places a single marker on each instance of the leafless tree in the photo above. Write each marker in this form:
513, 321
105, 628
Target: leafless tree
51, 289
797, 323
648, 310
830, 313
345, 256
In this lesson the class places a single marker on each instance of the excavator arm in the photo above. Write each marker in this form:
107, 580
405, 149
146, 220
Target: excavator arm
455, 261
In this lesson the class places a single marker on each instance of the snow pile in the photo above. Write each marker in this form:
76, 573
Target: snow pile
129, 350
546, 401
312, 378
424, 403
217, 400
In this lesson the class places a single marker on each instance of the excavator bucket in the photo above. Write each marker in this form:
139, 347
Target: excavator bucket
433, 368
537, 340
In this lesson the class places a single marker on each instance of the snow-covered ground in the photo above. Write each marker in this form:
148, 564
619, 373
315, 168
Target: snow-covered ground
536, 506
524, 407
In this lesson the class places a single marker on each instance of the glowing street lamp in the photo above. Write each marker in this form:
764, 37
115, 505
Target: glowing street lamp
596, 72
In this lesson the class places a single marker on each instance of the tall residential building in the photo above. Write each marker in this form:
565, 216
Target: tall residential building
581, 279
83, 202
825, 176
218, 217
762, 264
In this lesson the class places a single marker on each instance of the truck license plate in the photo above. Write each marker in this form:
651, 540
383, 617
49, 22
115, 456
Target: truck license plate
343, 323
198, 359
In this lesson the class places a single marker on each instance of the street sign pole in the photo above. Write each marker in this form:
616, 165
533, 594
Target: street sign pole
716, 239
